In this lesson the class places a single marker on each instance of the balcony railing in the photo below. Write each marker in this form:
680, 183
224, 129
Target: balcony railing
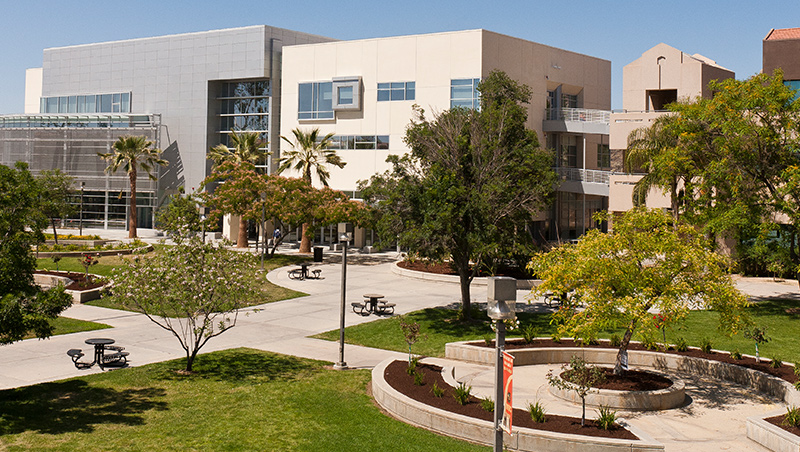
582, 175
577, 114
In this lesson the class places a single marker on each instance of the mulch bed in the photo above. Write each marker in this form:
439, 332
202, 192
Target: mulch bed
397, 377
633, 380
444, 268
79, 280
784, 372
777, 420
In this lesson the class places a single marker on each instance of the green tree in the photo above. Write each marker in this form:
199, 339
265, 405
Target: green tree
57, 189
579, 378
247, 148
180, 217
473, 180
193, 290
238, 191
646, 263
309, 153
132, 153
23, 306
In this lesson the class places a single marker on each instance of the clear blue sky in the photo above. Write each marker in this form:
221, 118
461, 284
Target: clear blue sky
728, 31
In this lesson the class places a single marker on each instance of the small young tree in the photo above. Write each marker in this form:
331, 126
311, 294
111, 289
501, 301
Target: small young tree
647, 262
180, 218
87, 260
757, 334
193, 290
577, 377
411, 333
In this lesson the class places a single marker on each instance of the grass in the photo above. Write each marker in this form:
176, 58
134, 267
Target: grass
108, 263
442, 326
66, 325
238, 400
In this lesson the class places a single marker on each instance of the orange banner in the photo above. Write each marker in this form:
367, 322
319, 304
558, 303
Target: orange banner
508, 380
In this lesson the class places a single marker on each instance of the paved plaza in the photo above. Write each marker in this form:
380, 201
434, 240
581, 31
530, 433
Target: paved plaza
712, 421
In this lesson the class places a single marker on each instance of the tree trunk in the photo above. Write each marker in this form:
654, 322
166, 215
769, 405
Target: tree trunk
55, 234
462, 267
305, 241
241, 238
583, 412
623, 348
132, 220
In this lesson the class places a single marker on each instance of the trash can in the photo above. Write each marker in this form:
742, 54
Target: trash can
317, 254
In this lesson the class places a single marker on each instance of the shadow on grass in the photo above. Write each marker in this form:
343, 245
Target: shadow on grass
240, 366
73, 406
775, 306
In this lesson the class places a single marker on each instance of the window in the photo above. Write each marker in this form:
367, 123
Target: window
603, 156
244, 105
396, 91
346, 93
464, 93
569, 101
360, 142
315, 100
100, 103
569, 151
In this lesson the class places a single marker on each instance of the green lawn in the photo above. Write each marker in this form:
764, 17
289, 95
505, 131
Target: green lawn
239, 400
108, 263
442, 326
65, 325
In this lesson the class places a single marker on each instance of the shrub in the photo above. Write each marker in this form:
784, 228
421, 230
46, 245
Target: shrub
419, 378
776, 362
487, 404
606, 417
556, 337
736, 355
797, 370
488, 339
681, 345
536, 410
797, 385
649, 343
461, 393
436, 390
705, 345
792, 417
615, 340
529, 333
412, 365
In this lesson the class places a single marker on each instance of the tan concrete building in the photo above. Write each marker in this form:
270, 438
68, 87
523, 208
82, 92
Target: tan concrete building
363, 92
662, 75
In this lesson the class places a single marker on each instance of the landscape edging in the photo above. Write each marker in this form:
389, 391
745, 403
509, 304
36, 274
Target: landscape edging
522, 284
479, 431
770, 436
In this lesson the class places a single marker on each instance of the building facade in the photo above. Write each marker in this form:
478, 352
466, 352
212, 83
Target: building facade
780, 50
364, 92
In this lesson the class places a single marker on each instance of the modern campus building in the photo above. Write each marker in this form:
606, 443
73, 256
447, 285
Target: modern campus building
780, 50
184, 92
662, 75
363, 91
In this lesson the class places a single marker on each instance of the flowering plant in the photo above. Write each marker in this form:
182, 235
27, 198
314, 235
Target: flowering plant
87, 260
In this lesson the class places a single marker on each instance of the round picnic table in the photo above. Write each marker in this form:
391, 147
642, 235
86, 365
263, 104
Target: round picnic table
99, 344
372, 301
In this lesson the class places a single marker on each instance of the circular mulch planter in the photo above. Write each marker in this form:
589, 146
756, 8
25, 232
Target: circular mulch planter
671, 396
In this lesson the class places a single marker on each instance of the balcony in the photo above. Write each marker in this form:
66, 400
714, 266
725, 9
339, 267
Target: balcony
590, 182
576, 120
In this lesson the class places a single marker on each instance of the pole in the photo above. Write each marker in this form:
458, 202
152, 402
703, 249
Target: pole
498, 386
263, 232
80, 220
341, 364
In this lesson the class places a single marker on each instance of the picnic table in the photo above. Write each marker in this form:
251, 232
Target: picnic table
302, 272
373, 304
101, 346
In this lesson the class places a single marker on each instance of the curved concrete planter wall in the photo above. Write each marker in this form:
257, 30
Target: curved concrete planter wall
522, 284
663, 399
78, 296
94, 252
478, 431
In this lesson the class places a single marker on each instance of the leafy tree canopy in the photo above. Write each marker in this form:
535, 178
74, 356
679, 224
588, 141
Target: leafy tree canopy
647, 263
57, 190
469, 186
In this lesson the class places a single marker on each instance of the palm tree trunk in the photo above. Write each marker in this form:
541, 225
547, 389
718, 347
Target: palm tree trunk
305, 241
132, 220
241, 239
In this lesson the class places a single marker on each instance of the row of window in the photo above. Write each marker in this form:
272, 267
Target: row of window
39, 121
315, 99
92, 103
351, 142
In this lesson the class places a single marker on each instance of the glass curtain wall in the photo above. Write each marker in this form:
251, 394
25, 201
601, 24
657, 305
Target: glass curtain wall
244, 106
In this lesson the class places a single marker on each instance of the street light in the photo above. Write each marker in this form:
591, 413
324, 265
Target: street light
203, 222
263, 229
343, 239
80, 217
501, 298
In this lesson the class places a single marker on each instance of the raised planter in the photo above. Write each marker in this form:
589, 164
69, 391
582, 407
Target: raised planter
94, 252
89, 243
665, 362
522, 284
482, 432
78, 296
772, 437
662, 399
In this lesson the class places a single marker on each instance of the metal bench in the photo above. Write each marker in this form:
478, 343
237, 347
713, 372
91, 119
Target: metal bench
360, 307
76, 354
383, 308
117, 358
316, 273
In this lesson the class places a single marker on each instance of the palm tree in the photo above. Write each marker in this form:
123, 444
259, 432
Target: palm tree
310, 152
247, 147
131, 153
655, 149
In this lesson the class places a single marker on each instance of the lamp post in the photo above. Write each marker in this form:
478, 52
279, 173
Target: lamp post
80, 213
501, 299
343, 239
203, 222
263, 231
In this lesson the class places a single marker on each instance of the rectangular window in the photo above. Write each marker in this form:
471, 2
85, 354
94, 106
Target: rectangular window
359, 142
315, 100
344, 95
464, 93
396, 91
569, 151
569, 101
603, 156
104, 103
